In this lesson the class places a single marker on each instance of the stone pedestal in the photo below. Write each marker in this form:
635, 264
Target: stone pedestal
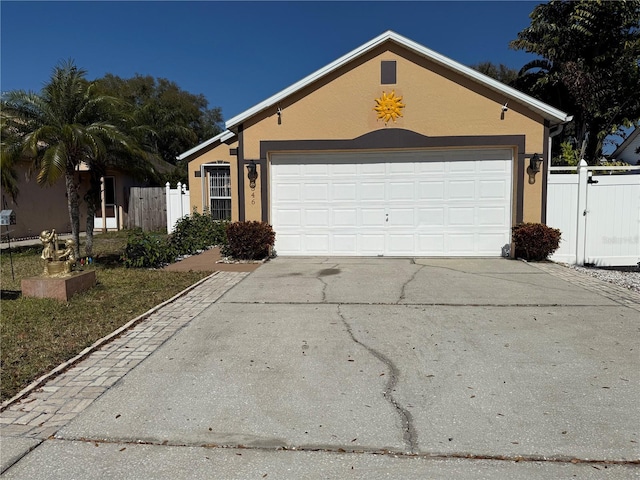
60, 288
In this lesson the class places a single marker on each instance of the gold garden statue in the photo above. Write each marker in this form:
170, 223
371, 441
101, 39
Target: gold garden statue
56, 262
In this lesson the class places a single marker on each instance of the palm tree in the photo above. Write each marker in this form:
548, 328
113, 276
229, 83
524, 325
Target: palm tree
64, 126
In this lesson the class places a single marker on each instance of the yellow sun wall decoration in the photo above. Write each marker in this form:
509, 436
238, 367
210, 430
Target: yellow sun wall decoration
389, 107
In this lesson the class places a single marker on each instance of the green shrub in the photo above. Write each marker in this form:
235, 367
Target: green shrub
249, 240
535, 241
147, 250
198, 232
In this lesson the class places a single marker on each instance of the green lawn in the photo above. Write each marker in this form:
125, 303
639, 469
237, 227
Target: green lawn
36, 335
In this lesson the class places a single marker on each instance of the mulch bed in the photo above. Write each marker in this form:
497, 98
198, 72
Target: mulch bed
210, 261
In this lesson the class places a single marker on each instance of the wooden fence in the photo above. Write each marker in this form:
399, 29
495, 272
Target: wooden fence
147, 208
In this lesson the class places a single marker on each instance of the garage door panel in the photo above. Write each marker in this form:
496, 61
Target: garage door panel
492, 166
371, 244
401, 191
345, 244
461, 190
460, 243
372, 192
288, 192
290, 243
431, 190
345, 217
372, 217
289, 218
373, 169
431, 244
401, 217
321, 170
400, 244
344, 169
317, 244
492, 189
317, 218
401, 168
491, 216
401, 203
461, 167
461, 216
316, 192
489, 243
432, 217
434, 165
289, 170
342, 192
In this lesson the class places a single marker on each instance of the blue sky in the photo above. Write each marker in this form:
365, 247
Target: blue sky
239, 53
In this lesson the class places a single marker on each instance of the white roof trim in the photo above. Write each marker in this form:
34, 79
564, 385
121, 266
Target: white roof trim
546, 111
626, 143
221, 137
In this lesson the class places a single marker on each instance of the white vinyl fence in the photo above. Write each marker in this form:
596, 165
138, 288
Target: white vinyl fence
178, 204
598, 215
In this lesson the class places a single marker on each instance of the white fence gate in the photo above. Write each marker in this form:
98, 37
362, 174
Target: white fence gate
599, 216
178, 204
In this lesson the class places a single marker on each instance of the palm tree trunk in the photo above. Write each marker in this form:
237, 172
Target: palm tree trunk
74, 209
93, 201
88, 241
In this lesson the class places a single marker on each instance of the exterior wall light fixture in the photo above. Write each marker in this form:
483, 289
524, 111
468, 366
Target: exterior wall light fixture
252, 173
505, 107
534, 167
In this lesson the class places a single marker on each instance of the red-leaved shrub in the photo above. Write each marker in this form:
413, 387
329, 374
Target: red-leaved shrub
535, 241
249, 240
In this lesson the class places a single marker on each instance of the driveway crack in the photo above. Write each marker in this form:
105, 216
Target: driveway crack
324, 290
411, 279
331, 271
409, 435
537, 458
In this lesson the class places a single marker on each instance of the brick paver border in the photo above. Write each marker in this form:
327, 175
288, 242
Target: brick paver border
624, 296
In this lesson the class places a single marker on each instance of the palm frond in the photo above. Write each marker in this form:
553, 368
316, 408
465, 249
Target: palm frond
54, 164
10, 153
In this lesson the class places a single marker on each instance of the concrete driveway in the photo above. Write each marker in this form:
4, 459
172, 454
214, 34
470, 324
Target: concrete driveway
376, 368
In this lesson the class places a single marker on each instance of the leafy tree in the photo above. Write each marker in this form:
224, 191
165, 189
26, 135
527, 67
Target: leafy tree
499, 72
589, 65
65, 125
168, 119
569, 155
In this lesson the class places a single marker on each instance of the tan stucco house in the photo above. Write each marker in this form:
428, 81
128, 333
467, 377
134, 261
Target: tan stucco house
392, 149
41, 207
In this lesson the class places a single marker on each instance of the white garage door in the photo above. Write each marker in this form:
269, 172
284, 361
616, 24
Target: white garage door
411, 203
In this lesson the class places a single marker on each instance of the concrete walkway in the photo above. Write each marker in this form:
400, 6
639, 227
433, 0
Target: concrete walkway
358, 368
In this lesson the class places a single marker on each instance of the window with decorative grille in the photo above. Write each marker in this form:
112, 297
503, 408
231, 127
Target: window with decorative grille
220, 192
